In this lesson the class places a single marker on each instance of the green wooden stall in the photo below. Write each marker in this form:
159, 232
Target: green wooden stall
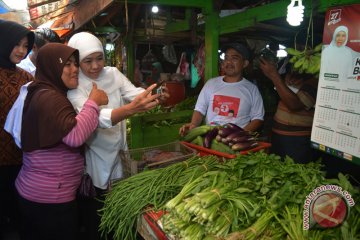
143, 132
147, 130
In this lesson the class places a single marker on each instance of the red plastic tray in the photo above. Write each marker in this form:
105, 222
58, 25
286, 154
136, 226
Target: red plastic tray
151, 218
203, 151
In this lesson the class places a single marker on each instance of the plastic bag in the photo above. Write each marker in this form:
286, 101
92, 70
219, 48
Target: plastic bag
184, 67
86, 188
148, 60
169, 54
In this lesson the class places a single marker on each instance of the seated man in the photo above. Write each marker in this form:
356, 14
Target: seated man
230, 98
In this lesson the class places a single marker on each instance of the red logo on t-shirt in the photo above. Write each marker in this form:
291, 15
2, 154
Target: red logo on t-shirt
226, 106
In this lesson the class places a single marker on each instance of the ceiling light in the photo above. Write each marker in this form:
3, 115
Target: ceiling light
155, 9
295, 13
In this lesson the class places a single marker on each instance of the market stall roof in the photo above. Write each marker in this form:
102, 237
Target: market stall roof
178, 21
181, 21
63, 16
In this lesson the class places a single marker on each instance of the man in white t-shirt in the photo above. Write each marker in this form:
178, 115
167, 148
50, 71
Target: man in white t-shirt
229, 98
42, 37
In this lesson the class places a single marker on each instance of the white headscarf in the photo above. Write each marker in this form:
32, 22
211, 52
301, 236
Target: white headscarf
337, 59
337, 30
88, 44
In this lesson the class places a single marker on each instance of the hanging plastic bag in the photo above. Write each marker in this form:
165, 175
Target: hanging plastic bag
169, 53
183, 67
148, 60
86, 188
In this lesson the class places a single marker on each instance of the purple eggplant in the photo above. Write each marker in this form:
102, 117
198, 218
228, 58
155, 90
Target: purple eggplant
210, 135
243, 139
237, 134
224, 132
224, 141
233, 126
242, 146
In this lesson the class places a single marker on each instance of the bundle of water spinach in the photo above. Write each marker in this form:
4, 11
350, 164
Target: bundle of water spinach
256, 196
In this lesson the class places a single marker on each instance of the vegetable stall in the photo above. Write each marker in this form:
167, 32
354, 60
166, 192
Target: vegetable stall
231, 188
216, 183
254, 196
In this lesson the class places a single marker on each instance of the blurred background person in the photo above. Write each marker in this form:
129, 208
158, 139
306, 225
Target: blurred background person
292, 123
42, 37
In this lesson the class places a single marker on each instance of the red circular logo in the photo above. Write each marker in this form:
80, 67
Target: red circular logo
329, 210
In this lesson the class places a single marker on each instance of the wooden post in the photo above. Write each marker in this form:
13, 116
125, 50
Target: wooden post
211, 41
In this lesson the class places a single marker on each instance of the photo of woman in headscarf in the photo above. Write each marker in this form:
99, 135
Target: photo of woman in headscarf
337, 58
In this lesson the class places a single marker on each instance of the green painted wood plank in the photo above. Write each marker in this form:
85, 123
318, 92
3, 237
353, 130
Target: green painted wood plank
179, 26
156, 136
144, 134
325, 4
250, 17
136, 133
165, 116
211, 45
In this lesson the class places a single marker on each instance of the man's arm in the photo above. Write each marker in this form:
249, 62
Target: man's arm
253, 125
289, 98
196, 121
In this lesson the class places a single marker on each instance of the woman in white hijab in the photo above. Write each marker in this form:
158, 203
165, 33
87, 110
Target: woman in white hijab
337, 58
102, 148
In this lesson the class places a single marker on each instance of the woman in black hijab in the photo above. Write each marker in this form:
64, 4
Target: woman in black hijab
16, 42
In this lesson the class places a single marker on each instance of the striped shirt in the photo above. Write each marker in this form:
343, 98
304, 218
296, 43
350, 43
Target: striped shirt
53, 175
297, 123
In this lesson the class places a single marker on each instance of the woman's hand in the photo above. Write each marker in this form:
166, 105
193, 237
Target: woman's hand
98, 96
145, 101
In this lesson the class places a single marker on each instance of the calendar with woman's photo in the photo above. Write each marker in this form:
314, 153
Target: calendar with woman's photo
336, 125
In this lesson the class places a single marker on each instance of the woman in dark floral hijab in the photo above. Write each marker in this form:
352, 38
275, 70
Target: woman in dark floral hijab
16, 42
